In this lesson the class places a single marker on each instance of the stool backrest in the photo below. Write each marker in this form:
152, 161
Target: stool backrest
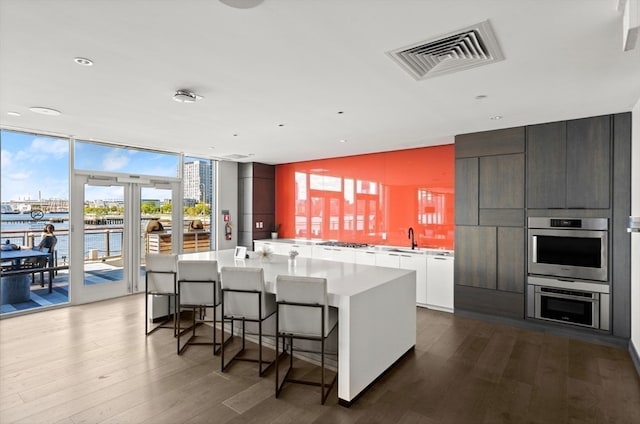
161, 271
297, 319
239, 303
198, 280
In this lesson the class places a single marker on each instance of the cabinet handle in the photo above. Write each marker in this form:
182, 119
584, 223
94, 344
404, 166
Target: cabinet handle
440, 259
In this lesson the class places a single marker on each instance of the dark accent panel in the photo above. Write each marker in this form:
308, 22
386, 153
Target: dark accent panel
493, 302
256, 202
502, 217
621, 240
588, 162
497, 142
264, 196
502, 181
511, 259
466, 192
261, 170
546, 165
475, 263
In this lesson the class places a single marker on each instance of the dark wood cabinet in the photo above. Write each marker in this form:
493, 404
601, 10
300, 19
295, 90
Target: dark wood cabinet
502, 182
581, 166
588, 162
568, 164
466, 193
490, 215
475, 263
511, 271
546, 165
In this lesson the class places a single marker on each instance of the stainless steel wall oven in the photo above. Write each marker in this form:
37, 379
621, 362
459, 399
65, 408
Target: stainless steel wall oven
570, 302
569, 248
568, 271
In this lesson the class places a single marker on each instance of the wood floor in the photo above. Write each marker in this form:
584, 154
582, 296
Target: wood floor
93, 364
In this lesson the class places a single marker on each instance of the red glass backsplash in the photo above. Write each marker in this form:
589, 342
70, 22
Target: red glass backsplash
371, 198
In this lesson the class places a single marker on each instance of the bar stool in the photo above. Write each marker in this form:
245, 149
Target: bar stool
160, 280
244, 299
304, 313
198, 288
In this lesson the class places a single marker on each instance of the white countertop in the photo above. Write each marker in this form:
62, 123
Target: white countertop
377, 248
343, 279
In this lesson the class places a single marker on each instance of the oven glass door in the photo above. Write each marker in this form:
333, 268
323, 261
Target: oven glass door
575, 251
568, 253
576, 311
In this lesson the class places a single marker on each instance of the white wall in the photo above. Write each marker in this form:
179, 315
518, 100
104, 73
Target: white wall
635, 237
226, 199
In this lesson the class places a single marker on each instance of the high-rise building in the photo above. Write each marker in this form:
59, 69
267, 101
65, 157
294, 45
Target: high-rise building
198, 181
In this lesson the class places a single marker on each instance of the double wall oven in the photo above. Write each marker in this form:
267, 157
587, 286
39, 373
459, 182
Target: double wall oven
567, 269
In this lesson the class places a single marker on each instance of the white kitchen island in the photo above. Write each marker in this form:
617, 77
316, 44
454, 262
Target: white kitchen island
376, 312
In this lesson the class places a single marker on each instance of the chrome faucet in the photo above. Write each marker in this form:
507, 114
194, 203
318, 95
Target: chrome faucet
413, 242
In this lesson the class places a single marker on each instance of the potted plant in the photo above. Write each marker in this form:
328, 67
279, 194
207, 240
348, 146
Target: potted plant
274, 232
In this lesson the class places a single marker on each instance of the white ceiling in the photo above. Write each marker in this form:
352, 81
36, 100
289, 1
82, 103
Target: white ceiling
298, 63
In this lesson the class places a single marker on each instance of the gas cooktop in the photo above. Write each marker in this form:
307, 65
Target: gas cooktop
342, 244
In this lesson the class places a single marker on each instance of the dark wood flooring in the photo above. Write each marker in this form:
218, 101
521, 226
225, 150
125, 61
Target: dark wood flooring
93, 364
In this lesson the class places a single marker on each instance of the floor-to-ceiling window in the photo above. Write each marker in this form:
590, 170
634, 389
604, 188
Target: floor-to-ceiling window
34, 185
198, 198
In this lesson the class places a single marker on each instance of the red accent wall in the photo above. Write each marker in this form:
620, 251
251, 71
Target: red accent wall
371, 198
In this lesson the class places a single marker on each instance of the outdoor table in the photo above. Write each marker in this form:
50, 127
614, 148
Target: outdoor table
15, 287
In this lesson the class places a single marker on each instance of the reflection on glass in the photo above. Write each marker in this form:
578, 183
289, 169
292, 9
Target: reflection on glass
108, 158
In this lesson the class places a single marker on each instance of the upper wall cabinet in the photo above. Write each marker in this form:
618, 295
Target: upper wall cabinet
568, 164
502, 181
588, 161
546, 165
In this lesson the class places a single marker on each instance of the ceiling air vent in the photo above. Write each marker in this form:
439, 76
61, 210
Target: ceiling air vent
463, 49
231, 157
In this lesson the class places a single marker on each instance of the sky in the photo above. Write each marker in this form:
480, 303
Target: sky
36, 166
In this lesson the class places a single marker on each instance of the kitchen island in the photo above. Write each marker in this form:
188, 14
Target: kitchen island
376, 311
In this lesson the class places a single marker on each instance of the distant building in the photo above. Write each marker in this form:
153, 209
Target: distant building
198, 179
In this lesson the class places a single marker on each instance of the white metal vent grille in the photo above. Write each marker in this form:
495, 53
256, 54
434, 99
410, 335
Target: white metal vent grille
463, 49
231, 157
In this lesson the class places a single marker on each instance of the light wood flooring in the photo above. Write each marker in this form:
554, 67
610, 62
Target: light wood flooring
93, 364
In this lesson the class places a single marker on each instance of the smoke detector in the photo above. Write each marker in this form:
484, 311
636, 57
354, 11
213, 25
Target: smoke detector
186, 96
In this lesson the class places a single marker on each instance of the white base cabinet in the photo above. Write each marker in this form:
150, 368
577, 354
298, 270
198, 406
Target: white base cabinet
418, 263
440, 283
283, 248
434, 272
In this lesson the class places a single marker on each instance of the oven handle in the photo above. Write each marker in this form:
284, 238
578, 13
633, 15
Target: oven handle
534, 247
568, 296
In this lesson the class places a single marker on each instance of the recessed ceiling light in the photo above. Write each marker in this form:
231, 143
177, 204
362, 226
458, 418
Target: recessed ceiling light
45, 111
83, 61
14, 113
343, 141
496, 117
242, 4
